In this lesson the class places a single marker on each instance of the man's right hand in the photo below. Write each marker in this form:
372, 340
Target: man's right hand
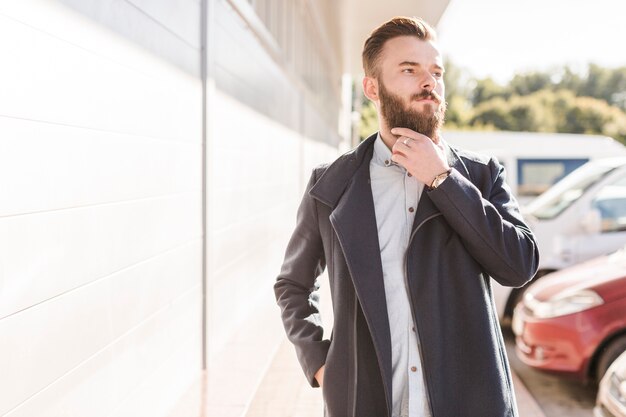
319, 375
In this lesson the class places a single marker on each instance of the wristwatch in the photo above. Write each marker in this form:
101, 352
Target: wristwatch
439, 179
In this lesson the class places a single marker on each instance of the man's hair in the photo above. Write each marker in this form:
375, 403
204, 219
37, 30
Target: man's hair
398, 26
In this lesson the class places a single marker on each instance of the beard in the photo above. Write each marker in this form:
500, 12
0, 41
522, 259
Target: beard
397, 114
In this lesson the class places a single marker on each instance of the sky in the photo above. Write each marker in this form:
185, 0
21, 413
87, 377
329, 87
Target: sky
498, 38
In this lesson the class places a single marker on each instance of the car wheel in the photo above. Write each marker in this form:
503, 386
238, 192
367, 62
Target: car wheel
608, 354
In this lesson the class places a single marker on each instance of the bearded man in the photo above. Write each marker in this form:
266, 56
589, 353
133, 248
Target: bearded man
411, 230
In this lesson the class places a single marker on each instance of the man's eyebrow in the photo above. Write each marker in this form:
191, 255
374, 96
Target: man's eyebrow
417, 64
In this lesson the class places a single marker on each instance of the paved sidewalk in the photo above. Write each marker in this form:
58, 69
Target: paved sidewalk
284, 392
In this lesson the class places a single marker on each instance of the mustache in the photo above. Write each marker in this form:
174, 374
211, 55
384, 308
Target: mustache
424, 94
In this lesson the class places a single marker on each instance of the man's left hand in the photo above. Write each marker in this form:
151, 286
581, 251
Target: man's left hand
419, 155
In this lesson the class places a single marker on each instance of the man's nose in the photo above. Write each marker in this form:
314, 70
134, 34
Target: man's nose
428, 81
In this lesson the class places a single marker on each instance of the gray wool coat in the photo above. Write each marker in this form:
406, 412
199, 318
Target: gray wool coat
465, 231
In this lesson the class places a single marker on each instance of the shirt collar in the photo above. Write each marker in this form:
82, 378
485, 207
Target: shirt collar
382, 154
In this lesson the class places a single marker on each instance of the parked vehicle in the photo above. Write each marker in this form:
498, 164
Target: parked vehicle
573, 321
611, 398
579, 218
536, 161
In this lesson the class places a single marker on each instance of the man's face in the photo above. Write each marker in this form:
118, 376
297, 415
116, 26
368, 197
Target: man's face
410, 85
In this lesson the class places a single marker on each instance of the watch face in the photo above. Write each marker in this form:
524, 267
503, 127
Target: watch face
439, 179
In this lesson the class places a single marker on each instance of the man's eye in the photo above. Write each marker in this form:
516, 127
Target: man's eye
408, 70
438, 74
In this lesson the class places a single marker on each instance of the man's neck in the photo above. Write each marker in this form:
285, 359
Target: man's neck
388, 138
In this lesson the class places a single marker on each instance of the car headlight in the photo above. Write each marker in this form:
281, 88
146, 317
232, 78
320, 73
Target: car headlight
563, 303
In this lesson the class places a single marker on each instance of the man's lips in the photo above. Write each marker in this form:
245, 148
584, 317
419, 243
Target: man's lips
426, 100
431, 97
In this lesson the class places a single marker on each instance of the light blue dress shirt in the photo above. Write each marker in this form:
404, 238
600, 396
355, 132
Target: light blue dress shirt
396, 194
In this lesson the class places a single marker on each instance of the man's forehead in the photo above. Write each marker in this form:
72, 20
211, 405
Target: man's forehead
411, 48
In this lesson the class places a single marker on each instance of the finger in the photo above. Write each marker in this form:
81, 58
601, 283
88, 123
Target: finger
399, 159
401, 148
400, 153
403, 144
403, 131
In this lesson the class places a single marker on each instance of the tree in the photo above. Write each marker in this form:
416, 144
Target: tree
552, 111
486, 89
459, 112
458, 82
369, 119
591, 115
494, 113
525, 84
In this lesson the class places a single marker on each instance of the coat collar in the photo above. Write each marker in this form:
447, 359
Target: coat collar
333, 182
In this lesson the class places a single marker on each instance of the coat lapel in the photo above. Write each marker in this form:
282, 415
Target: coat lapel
354, 222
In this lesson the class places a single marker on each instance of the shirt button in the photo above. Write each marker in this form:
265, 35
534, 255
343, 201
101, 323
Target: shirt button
386, 162
411, 209
409, 174
413, 369
413, 328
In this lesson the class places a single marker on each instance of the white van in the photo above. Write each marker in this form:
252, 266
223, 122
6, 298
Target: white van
579, 218
535, 161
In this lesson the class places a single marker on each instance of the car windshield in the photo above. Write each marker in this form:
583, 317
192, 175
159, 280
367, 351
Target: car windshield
558, 198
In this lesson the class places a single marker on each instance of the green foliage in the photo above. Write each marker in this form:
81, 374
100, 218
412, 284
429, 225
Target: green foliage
493, 112
552, 101
369, 119
552, 111
459, 112
591, 115
487, 89
457, 81
602, 83
525, 84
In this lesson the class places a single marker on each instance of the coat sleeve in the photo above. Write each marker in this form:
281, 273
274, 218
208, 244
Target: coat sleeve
296, 287
491, 227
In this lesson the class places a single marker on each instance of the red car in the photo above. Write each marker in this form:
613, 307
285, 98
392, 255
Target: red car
573, 321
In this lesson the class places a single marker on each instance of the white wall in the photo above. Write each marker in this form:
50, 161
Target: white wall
259, 159
265, 135
102, 192
100, 214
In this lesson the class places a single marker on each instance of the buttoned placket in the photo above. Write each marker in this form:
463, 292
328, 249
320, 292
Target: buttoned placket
416, 384
413, 401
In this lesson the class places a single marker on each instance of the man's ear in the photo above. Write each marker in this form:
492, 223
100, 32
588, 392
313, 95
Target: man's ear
370, 88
